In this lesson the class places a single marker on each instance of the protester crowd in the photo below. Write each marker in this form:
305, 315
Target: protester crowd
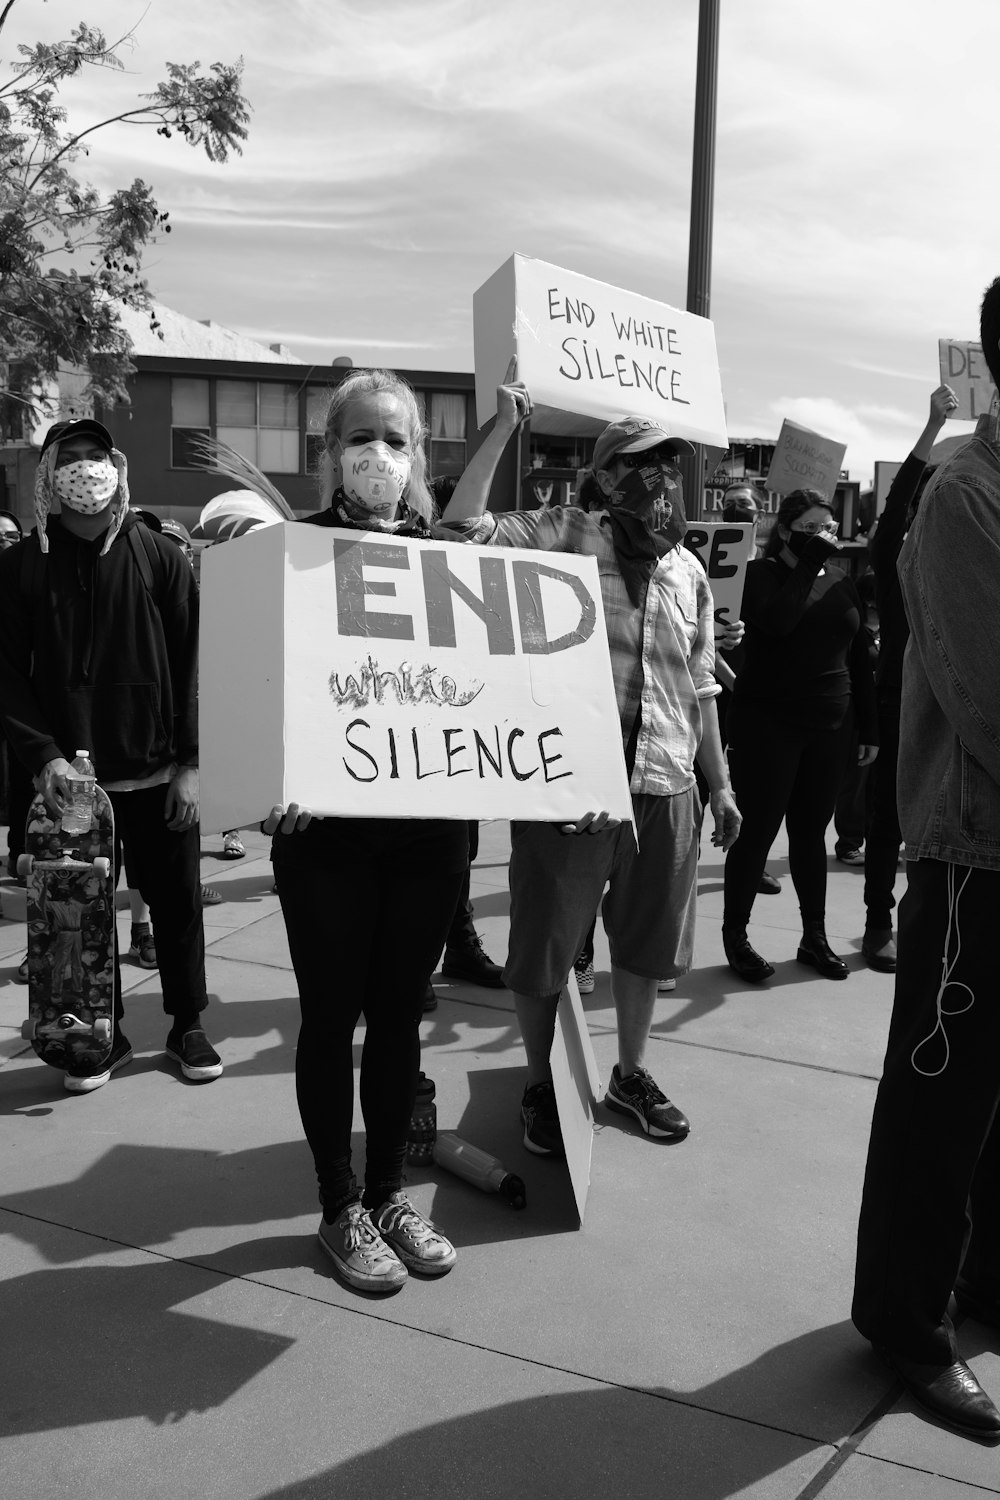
822, 700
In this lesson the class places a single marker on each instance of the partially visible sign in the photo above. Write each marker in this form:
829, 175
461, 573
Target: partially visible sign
724, 549
885, 473
805, 460
577, 1083
368, 675
963, 368
586, 347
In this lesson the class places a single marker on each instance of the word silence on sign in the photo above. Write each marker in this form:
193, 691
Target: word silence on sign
805, 460
396, 678
587, 347
963, 367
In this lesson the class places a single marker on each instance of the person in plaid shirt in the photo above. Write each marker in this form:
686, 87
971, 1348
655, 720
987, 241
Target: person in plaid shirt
660, 625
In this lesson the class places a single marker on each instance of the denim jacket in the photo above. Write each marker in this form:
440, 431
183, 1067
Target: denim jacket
949, 741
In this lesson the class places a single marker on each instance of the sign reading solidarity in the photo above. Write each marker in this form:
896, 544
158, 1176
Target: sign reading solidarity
805, 460
723, 549
362, 674
965, 370
583, 346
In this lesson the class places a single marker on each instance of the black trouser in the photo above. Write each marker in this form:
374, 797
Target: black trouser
883, 837
781, 771
462, 931
852, 811
166, 867
365, 928
934, 1155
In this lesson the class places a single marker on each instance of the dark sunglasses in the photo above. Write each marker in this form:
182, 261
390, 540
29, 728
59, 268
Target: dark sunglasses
655, 457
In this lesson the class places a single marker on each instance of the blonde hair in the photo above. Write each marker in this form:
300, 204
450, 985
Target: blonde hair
365, 383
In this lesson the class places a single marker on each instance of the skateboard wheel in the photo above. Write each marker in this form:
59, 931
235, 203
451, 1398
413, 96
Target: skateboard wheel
25, 865
102, 867
28, 1030
102, 1030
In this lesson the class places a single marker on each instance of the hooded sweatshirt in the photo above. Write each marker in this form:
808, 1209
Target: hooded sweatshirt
89, 659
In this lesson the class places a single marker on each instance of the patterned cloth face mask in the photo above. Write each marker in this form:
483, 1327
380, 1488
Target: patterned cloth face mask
87, 485
375, 476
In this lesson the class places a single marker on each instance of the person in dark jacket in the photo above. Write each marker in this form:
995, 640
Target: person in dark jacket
98, 649
883, 836
806, 665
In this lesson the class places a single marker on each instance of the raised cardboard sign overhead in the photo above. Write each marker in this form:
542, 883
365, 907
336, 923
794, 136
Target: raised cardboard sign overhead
366, 675
723, 548
885, 473
805, 460
963, 368
583, 346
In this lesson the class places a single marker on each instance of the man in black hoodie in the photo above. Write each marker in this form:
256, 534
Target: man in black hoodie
99, 648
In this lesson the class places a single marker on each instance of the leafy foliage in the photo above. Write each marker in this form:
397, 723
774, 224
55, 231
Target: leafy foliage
51, 316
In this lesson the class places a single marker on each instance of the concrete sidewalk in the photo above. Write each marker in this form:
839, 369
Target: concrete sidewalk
170, 1326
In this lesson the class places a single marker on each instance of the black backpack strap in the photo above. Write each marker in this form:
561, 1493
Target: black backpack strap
148, 560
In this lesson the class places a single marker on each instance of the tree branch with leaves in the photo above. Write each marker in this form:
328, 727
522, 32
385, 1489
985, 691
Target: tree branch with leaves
53, 313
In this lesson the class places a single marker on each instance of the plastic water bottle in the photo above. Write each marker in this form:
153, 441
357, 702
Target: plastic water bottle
478, 1167
79, 813
422, 1132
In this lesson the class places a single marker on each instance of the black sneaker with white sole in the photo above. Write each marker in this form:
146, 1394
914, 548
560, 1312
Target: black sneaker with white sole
640, 1097
198, 1059
540, 1118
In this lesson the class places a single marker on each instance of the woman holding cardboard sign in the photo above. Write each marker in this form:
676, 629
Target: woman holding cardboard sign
388, 885
806, 664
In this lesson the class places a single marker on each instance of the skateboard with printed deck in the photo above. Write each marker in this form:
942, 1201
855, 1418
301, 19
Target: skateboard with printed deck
71, 937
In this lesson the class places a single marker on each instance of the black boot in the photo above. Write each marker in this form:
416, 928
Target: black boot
815, 951
744, 960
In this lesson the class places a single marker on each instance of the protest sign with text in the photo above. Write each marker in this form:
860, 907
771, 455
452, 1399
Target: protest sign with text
723, 548
586, 347
362, 674
963, 367
805, 460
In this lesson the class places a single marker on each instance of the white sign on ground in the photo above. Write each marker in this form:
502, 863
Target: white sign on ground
586, 347
963, 367
805, 460
723, 548
362, 674
577, 1084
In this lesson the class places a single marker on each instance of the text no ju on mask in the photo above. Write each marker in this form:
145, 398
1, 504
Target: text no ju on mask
375, 476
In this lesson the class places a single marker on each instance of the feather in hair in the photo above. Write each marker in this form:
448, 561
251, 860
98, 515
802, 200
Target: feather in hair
233, 514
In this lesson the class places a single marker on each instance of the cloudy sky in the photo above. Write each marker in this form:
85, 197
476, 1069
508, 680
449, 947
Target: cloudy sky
400, 150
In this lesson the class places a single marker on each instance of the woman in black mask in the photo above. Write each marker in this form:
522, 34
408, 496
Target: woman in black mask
806, 666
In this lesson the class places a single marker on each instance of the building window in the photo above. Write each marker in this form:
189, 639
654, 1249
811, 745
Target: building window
447, 424
189, 421
261, 421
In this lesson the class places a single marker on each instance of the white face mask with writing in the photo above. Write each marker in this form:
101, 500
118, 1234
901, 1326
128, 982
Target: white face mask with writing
375, 476
87, 485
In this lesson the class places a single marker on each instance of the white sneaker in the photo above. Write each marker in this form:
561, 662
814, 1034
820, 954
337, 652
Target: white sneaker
419, 1244
360, 1254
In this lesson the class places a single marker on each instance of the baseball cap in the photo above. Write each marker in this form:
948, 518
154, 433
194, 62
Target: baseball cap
177, 530
82, 427
634, 435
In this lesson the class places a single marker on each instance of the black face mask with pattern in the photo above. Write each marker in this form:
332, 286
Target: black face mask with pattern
646, 512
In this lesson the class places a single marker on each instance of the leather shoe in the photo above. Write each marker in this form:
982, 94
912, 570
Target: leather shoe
878, 949
815, 951
472, 963
744, 960
768, 885
949, 1392
983, 1306
430, 1000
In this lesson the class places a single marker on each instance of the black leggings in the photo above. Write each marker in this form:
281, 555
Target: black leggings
781, 771
364, 932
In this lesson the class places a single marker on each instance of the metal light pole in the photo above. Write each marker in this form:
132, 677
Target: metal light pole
699, 286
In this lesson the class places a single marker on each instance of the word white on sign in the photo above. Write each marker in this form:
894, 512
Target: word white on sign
963, 367
586, 347
805, 460
723, 548
366, 675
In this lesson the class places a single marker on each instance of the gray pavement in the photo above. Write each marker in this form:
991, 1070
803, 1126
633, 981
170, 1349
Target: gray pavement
170, 1327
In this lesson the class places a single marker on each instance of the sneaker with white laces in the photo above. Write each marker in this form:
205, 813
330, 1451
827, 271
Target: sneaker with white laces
143, 948
85, 1083
540, 1118
419, 1244
359, 1252
198, 1059
584, 972
638, 1095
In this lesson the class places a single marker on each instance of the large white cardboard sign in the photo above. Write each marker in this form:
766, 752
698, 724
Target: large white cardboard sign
361, 674
963, 367
586, 347
577, 1083
723, 548
805, 460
